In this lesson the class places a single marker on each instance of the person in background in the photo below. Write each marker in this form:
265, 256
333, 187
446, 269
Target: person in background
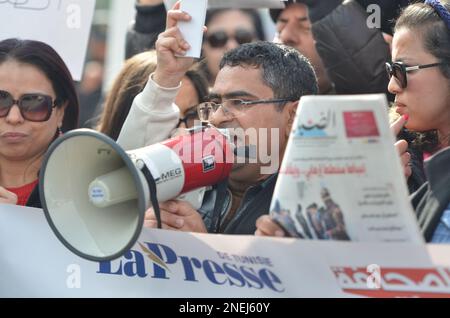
294, 28
347, 53
38, 103
227, 28
143, 32
90, 93
132, 80
420, 80
194, 90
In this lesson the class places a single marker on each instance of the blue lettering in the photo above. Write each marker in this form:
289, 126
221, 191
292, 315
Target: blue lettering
136, 265
188, 269
270, 279
159, 270
211, 270
105, 268
250, 274
233, 272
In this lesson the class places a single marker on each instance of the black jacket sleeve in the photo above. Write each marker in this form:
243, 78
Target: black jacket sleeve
390, 10
354, 54
143, 33
431, 200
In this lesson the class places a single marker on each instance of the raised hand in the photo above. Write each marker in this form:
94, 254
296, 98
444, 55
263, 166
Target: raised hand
402, 145
170, 47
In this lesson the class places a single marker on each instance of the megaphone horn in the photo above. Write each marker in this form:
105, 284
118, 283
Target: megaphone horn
94, 194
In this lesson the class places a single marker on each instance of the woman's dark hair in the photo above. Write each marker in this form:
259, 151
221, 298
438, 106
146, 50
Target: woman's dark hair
129, 83
425, 20
200, 82
47, 60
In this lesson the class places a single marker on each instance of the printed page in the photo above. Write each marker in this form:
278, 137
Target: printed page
341, 178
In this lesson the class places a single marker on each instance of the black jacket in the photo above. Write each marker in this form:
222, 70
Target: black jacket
354, 54
431, 200
256, 202
143, 33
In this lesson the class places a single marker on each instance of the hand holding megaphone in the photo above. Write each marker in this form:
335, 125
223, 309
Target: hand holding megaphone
94, 194
176, 215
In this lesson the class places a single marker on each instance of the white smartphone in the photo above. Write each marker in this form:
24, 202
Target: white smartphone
192, 30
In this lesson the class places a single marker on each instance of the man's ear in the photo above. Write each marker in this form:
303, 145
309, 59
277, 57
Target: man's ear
291, 111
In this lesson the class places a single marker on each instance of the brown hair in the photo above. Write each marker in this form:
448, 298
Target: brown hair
129, 83
430, 26
46, 59
435, 34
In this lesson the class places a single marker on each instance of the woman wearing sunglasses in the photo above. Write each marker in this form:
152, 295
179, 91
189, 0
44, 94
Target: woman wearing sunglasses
420, 79
420, 73
38, 102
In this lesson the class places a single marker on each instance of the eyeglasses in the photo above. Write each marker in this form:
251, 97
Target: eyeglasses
232, 108
219, 39
189, 118
399, 70
33, 107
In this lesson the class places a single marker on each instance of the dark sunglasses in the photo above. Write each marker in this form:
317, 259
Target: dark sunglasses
33, 107
399, 70
189, 118
219, 39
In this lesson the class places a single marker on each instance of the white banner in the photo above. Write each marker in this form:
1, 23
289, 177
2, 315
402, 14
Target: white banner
63, 24
171, 264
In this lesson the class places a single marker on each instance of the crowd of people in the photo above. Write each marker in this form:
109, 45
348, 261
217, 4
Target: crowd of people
321, 47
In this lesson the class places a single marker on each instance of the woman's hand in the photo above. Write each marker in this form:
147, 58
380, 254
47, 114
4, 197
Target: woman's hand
7, 197
402, 146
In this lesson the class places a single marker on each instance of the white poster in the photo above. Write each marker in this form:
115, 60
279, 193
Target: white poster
178, 265
63, 24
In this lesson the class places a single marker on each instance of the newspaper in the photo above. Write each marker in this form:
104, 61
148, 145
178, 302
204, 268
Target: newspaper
341, 177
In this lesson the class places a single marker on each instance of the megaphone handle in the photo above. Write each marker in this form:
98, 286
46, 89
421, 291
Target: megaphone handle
221, 189
152, 189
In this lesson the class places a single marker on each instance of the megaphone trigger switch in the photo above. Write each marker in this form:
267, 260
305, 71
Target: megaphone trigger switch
140, 164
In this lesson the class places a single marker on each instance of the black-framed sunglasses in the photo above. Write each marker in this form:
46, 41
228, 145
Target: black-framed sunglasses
189, 118
399, 70
33, 107
219, 39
